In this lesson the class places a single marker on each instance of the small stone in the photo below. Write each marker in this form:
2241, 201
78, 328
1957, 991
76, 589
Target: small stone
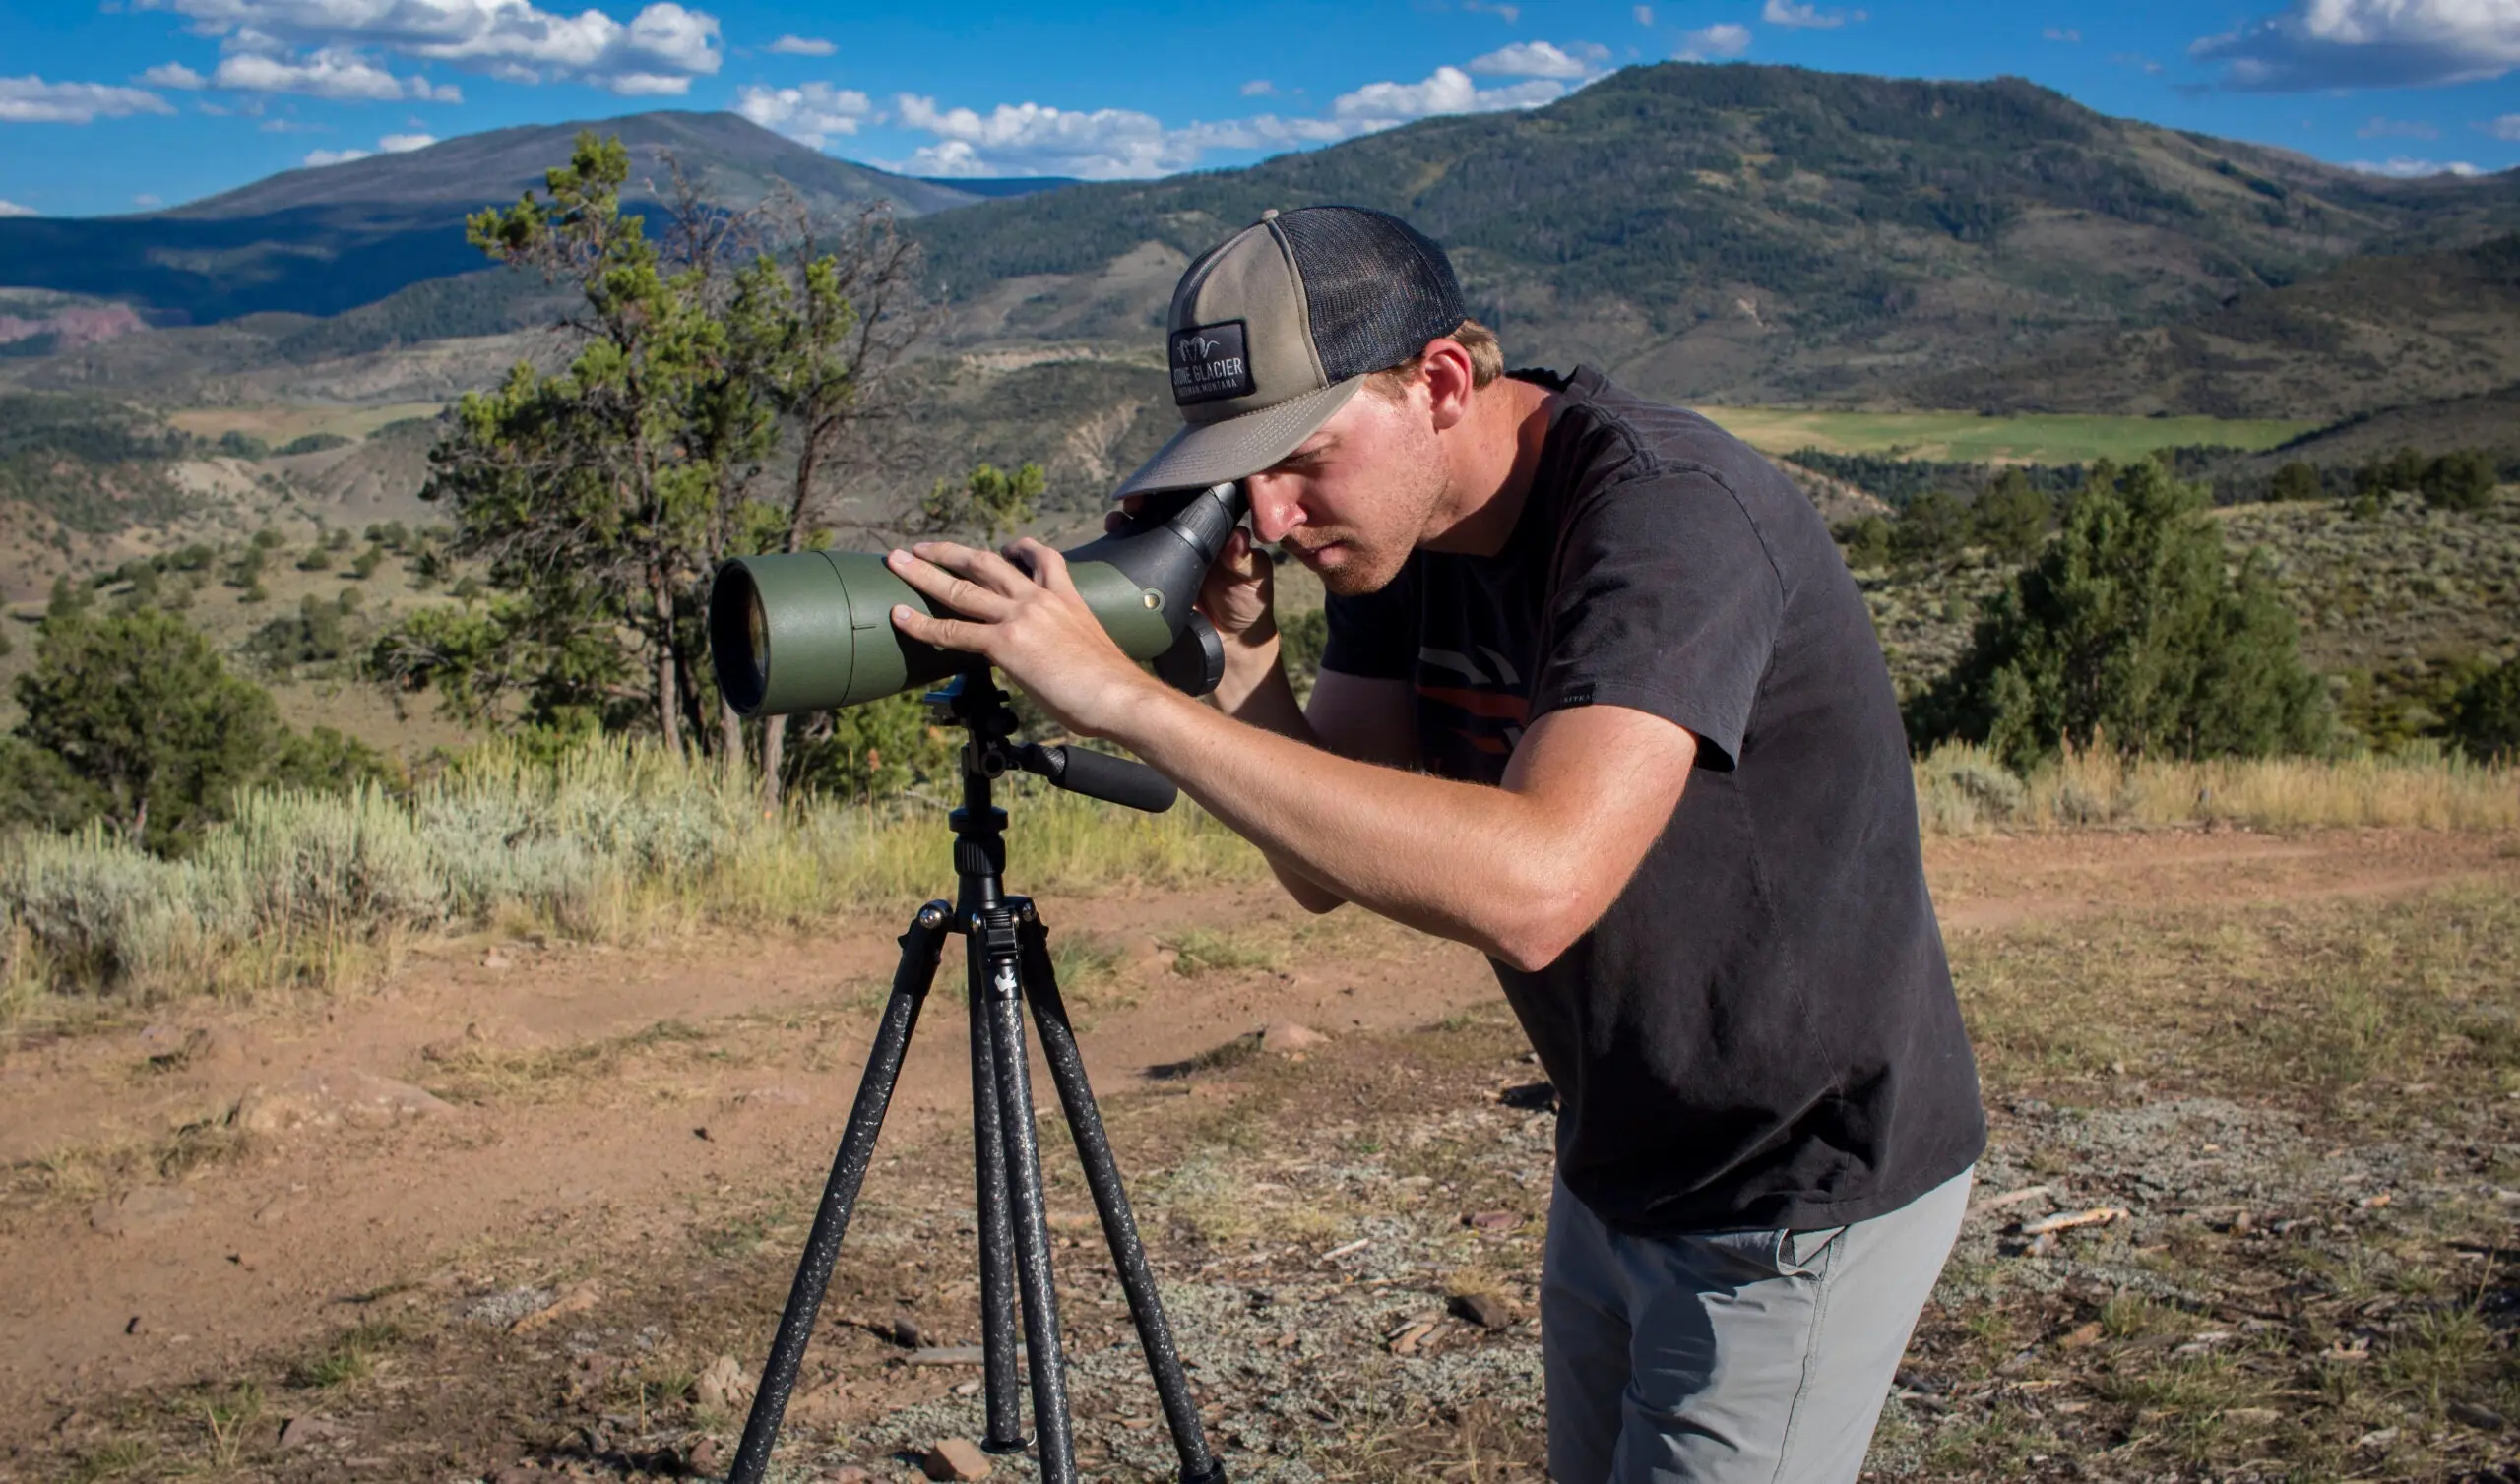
1492, 1220
136, 1326
2478, 1416
145, 1209
846, 1473
495, 960
1407, 1341
703, 1457
907, 1333
951, 1355
955, 1458
580, 1298
823, 1406
518, 1473
723, 1386
1287, 1038
297, 1432
2083, 1338
1486, 1310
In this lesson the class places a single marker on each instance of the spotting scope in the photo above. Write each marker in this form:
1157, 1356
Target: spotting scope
812, 631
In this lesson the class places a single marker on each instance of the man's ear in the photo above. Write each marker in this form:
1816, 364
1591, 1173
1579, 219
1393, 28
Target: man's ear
1450, 381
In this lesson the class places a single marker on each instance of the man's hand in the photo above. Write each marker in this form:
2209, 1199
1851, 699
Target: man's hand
1034, 627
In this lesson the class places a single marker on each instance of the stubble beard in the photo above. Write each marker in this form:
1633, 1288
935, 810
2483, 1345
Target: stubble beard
1367, 561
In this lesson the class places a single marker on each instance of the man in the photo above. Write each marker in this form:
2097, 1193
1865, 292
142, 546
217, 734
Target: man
1600, 701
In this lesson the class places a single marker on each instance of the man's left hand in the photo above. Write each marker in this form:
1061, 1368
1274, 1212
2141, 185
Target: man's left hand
1032, 626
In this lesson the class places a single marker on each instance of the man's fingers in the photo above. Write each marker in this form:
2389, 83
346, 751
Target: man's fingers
1050, 567
926, 574
943, 633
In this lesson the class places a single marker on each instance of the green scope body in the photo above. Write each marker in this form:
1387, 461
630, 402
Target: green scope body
811, 631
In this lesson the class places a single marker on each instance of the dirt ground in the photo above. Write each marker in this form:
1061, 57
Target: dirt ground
501, 1215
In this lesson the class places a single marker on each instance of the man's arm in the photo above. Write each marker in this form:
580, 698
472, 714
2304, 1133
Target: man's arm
1519, 872
1349, 715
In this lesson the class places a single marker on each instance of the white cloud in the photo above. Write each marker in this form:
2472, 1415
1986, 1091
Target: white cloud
1644, 15
2065, 33
2368, 43
12, 209
1509, 14
32, 101
147, 199
1115, 144
1538, 59
810, 114
1802, 14
1259, 87
342, 76
2403, 169
318, 158
2136, 60
289, 126
1722, 40
802, 47
173, 75
2396, 128
404, 144
509, 39
2505, 127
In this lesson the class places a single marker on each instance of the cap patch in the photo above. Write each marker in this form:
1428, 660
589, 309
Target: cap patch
1210, 363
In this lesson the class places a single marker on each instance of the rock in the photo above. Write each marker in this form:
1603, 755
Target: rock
846, 1473
723, 1386
951, 1355
1286, 1038
955, 1458
2476, 1416
519, 1473
905, 1334
135, 1325
299, 1431
703, 1457
1492, 1220
2082, 1338
1486, 1310
494, 961
324, 1096
151, 1207
580, 1298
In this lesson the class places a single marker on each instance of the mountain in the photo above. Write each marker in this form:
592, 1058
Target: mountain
2370, 331
1749, 233
322, 240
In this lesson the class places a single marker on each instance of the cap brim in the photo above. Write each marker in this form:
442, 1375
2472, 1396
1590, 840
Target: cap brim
1237, 447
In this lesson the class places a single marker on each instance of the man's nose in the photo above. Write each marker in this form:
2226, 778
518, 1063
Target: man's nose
1275, 510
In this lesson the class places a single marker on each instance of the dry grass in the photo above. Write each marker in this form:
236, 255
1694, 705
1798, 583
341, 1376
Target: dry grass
1962, 790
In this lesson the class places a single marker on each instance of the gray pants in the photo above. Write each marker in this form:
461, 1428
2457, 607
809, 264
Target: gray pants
1730, 1357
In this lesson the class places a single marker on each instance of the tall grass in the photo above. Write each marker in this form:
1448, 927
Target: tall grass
617, 840
1961, 790
607, 842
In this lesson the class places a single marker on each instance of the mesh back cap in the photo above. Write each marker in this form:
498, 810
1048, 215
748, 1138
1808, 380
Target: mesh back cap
1272, 332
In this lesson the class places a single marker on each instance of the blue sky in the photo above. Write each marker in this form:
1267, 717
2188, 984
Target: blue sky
130, 103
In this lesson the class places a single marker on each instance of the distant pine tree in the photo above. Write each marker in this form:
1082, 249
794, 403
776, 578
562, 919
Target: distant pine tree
2131, 631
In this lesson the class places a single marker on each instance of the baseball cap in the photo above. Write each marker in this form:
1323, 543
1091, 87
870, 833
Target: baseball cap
1272, 332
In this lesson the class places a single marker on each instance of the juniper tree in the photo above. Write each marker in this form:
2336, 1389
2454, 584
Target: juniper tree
2132, 629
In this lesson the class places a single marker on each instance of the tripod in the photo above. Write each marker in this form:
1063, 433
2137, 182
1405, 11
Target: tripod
1008, 963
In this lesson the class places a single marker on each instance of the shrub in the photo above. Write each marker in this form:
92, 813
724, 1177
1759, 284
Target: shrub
2129, 629
2011, 519
2484, 718
2462, 479
2296, 480
1932, 527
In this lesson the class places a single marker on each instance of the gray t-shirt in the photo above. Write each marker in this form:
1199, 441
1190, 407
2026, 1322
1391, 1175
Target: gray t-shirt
1761, 1030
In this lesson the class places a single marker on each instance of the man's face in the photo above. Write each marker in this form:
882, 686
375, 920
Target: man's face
1353, 499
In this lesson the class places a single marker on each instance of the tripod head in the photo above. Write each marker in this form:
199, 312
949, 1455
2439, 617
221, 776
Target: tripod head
974, 702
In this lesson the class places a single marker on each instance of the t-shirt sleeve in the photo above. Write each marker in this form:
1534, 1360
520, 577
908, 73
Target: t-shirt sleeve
1375, 635
1664, 600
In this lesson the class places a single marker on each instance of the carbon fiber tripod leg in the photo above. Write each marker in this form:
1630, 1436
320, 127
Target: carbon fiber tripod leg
922, 945
996, 1229
1051, 1421
1111, 1203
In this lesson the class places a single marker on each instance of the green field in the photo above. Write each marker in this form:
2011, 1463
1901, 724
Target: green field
1966, 437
